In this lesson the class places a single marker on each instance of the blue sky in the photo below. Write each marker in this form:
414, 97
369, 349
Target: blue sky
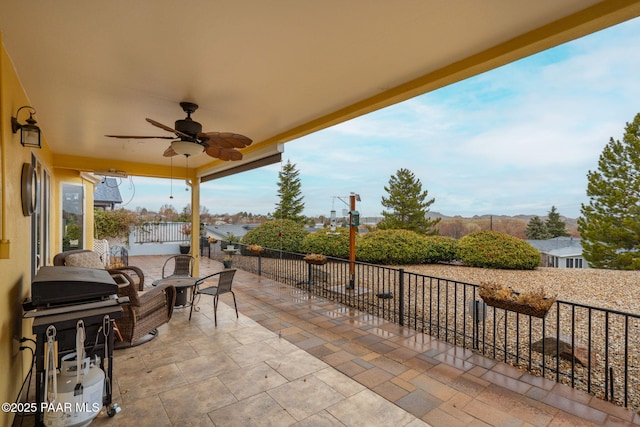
515, 140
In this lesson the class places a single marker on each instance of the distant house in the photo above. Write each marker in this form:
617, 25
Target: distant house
106, 194
226, 231
561, 252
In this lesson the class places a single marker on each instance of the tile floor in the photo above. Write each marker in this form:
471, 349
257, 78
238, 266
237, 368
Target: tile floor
296, 359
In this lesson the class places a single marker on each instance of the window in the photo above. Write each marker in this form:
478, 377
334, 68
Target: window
574, 262
72, 216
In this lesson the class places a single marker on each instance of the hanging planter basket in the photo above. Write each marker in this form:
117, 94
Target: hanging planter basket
315, 259
255, 249
532, 304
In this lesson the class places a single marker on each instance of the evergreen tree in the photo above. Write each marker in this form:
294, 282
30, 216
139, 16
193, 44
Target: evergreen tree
610, 223
407, 203
555, 227
537, 229
290, 205
185, 215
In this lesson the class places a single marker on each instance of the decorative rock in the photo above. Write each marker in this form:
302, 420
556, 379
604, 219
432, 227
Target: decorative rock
552, 348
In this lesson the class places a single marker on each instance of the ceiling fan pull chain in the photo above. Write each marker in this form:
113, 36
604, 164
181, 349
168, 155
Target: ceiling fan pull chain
186, 178
171, 178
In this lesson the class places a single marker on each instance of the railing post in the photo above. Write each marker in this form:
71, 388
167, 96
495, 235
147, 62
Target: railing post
309, 276
611, 383
401, 297
259, 264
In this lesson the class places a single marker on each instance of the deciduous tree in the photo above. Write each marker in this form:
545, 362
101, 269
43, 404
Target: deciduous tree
167, 213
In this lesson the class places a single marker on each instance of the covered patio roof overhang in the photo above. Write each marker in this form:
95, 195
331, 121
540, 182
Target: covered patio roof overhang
273, 71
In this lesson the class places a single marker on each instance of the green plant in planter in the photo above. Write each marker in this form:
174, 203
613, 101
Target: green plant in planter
226, 261
185, 247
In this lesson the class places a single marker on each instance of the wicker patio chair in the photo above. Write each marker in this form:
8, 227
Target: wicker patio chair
182, 266
146, 310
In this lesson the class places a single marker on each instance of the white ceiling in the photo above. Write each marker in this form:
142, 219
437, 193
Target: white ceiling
271, 70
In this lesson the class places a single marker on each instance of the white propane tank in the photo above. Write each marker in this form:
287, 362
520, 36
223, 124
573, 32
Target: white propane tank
74, 408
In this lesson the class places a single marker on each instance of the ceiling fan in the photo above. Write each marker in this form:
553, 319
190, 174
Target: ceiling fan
192, 141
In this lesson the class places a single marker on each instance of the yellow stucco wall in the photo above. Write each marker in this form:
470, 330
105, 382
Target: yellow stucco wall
15, 233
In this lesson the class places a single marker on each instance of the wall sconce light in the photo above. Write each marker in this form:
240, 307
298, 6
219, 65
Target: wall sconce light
29, 132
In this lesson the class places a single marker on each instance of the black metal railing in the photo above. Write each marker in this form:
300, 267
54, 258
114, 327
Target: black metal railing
599, 348
161, 232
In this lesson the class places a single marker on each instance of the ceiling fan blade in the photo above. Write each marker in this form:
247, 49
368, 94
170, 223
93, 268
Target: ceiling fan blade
169, 152
168, 129
232, 154
139, 137
225, 154
213, 151
226, 139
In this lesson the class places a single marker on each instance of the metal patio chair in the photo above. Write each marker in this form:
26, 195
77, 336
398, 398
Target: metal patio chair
225, 280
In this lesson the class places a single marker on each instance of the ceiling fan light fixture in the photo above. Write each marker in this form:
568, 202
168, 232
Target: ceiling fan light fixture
187, 148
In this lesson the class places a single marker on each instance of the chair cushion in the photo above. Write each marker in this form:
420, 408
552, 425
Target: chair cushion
84, 259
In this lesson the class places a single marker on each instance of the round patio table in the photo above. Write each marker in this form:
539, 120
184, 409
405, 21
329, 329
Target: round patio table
182, 285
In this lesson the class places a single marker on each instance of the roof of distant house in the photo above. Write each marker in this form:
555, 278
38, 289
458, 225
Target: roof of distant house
223, 231
569, 251
559, 246
107, 192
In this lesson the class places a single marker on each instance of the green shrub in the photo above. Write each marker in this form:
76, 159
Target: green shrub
327, 242
391, 247
492, 249
114, 224
281, 234
440, 249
